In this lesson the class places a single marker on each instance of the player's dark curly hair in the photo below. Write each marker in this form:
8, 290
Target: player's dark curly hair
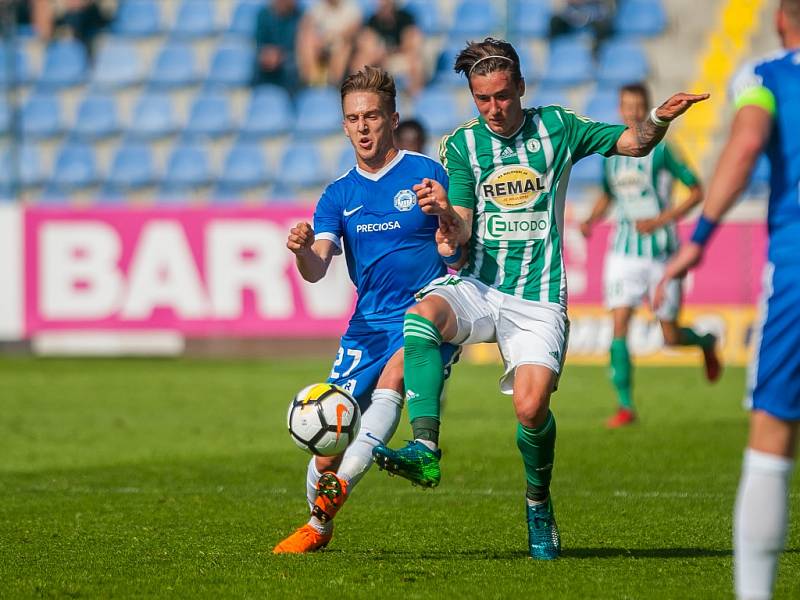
474, 59
372, 79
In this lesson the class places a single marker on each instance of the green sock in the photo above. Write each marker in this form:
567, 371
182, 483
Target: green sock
688, 337
621, 372
424, 375
538, 446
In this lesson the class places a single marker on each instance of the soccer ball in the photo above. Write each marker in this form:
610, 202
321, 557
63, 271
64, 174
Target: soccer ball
323, 419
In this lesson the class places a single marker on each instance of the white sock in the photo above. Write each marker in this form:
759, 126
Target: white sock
760, 522
312, 477
378, 424
432, 445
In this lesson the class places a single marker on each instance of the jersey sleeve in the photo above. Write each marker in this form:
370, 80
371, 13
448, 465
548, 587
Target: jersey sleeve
462, 182
589, 137
676, 165
748, 89
328, 218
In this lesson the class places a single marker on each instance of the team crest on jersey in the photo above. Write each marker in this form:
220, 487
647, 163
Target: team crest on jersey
405, 200
513, 187
533, 145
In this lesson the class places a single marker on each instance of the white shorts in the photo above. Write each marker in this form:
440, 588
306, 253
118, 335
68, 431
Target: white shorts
526, 332
629, 280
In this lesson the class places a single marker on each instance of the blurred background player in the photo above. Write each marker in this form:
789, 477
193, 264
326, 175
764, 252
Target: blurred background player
411, 135
512, 289
766, 94
371, 215
644, 238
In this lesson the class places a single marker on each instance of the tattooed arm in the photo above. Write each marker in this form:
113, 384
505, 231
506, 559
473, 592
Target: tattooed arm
640, 139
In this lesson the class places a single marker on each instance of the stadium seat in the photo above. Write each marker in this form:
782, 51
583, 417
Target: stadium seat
570, 62
65, 65
621, 62
603, 105
132, 167
195, 19
588, 171
245, 167
5, 117
269, 112
137, 18
187, 168
153, 116
97, 117
243, 21
346, 160
21, 73
545, 96
427, 15
445, 75
300, 166
41, 116
210, 116
27, 163
474, 18
530, 18
118, 65
319, 112
175, 67
232, 65
640, 18
437, 109
74, 167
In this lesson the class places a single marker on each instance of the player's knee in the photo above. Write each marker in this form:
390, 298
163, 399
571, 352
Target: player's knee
429, 312
532, 409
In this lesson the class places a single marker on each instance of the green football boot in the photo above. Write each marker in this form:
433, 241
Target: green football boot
415, 462
544, 541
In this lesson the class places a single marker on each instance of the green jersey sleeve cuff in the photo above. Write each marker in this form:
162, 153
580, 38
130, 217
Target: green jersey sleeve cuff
756, 96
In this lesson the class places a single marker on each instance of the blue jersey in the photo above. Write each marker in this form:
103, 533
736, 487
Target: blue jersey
387, 240
774, 84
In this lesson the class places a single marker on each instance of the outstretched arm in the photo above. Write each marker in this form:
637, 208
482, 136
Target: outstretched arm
640, 139
312, 256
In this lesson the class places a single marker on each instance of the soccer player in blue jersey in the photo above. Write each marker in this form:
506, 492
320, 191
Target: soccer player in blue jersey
371, 215
767, 97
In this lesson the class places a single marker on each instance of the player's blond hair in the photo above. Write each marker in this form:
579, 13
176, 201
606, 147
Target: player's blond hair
372, 79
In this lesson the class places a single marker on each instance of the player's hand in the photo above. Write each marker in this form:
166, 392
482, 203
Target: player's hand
432, 197
645, 226
688, 256
586, 229
446, 243
301, 238
678, 104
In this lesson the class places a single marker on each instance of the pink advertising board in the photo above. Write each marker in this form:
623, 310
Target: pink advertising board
207, 272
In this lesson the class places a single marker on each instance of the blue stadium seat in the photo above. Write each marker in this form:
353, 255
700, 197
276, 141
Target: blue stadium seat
588, 171
603, 105
187, 168
41, 116
232, 65
570, 62
444, 66
153, 116
269, 112
300, 166
137, 18
346, 160
530, 18
210, 116
427, 15
243, 21
28, 165
195, 19
640, 18
319, 112
75, 167
545, 96
65, 65
97, 117
118, 65
131, 168
245, 167
21, 67
474, 17
5, 117
621, 62
175, 67
437, 109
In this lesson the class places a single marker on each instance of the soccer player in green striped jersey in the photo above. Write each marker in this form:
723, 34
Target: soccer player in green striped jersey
643, 241
502, 225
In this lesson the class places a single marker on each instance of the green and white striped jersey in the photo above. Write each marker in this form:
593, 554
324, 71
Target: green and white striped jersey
641, 188
516, 187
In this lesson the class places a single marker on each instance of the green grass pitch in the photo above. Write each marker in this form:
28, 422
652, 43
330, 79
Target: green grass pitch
175, 478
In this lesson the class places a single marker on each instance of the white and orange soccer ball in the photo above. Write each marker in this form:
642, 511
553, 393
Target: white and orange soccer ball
323, 419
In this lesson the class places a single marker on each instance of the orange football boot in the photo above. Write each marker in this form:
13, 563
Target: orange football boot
621, 418
305, 539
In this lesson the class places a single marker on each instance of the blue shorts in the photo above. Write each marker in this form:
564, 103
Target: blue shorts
774, 378
363, 353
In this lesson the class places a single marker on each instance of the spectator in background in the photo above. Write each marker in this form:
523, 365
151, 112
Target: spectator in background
276, 42
37, 14
84, 20
392, 40
579, 15
411, 135
325, 40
